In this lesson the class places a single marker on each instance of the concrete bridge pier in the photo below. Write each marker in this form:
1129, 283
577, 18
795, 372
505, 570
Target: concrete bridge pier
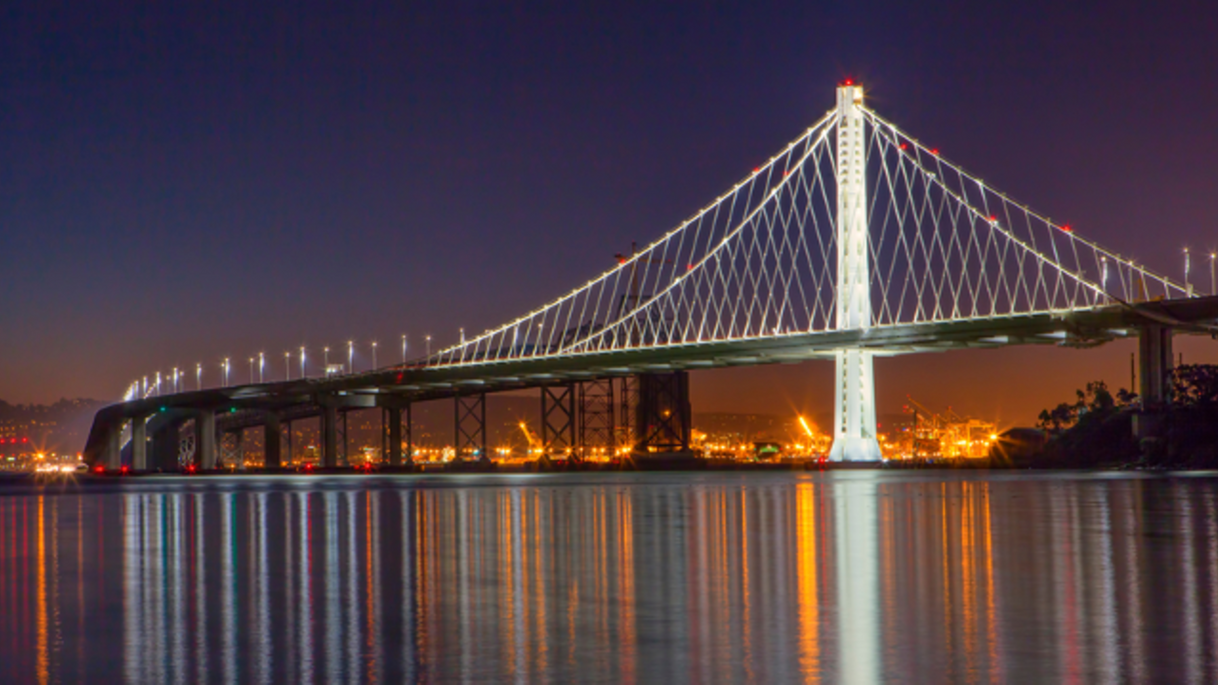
205, 440
396, 430
166, 442
329, 436
1154, 379
139, 444
271, 435
112, 455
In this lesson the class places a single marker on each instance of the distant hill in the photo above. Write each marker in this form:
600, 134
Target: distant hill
61, 427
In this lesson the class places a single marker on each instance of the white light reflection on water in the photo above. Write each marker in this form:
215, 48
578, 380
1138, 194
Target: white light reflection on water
846, 576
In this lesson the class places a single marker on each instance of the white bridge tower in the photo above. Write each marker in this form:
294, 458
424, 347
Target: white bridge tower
854, 392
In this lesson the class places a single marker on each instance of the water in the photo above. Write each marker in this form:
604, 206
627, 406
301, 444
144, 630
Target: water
713, 577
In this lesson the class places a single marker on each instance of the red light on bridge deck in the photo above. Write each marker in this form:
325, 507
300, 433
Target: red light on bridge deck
934, 151
993, 218
848, 82
756, 169
1066, 228
903, 146
689, 267
785, 174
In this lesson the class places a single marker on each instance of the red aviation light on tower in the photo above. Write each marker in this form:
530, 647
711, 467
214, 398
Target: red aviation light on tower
848, 82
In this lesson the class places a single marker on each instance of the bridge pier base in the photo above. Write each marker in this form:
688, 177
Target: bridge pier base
854, 430
165, 447
112, 457
469, 413
557, 421
205, 440
663, 414
1154, 379
271, 437
139, 444
329, 436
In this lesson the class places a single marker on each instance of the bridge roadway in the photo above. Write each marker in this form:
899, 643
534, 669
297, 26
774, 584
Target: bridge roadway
242, 406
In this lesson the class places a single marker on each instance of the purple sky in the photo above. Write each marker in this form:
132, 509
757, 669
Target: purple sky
185, 181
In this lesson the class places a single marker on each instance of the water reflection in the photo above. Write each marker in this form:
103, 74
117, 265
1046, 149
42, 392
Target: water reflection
857, 577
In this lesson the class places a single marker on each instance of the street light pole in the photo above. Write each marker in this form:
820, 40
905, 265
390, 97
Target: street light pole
302, 361
403, 348
373, 355
199, 376
1213, 289
1188, 289
175, 380
226, 372
429, 346
287, 366
350, 356
261, 364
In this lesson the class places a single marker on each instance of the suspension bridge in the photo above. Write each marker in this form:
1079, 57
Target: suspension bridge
855, 240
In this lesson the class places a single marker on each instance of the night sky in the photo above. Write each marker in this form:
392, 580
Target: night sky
182, 182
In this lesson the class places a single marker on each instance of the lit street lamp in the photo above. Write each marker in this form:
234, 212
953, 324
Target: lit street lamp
261, 364
226, 372
373, 355
158, 383
251, 370
1188, 289
403, 348
199, 376
287, 366
350, 356
326, 352
302, 361
429, 346
1213, 285
175, 379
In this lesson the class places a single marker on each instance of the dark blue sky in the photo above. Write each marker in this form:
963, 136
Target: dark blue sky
185, 181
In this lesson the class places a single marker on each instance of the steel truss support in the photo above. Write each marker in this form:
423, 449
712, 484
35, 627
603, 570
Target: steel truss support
626, 439
558, 421
663, 415
230, 452
854, 427
597, 436
469, 413
188, 447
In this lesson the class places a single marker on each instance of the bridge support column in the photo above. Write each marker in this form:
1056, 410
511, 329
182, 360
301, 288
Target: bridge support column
112, 457
469, 412
205, 440
329, 436
271, 437
854, 393
854, 431
557, 421
663, 414
596, 418
1154, 379
165, 446
393, 420
139, 444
